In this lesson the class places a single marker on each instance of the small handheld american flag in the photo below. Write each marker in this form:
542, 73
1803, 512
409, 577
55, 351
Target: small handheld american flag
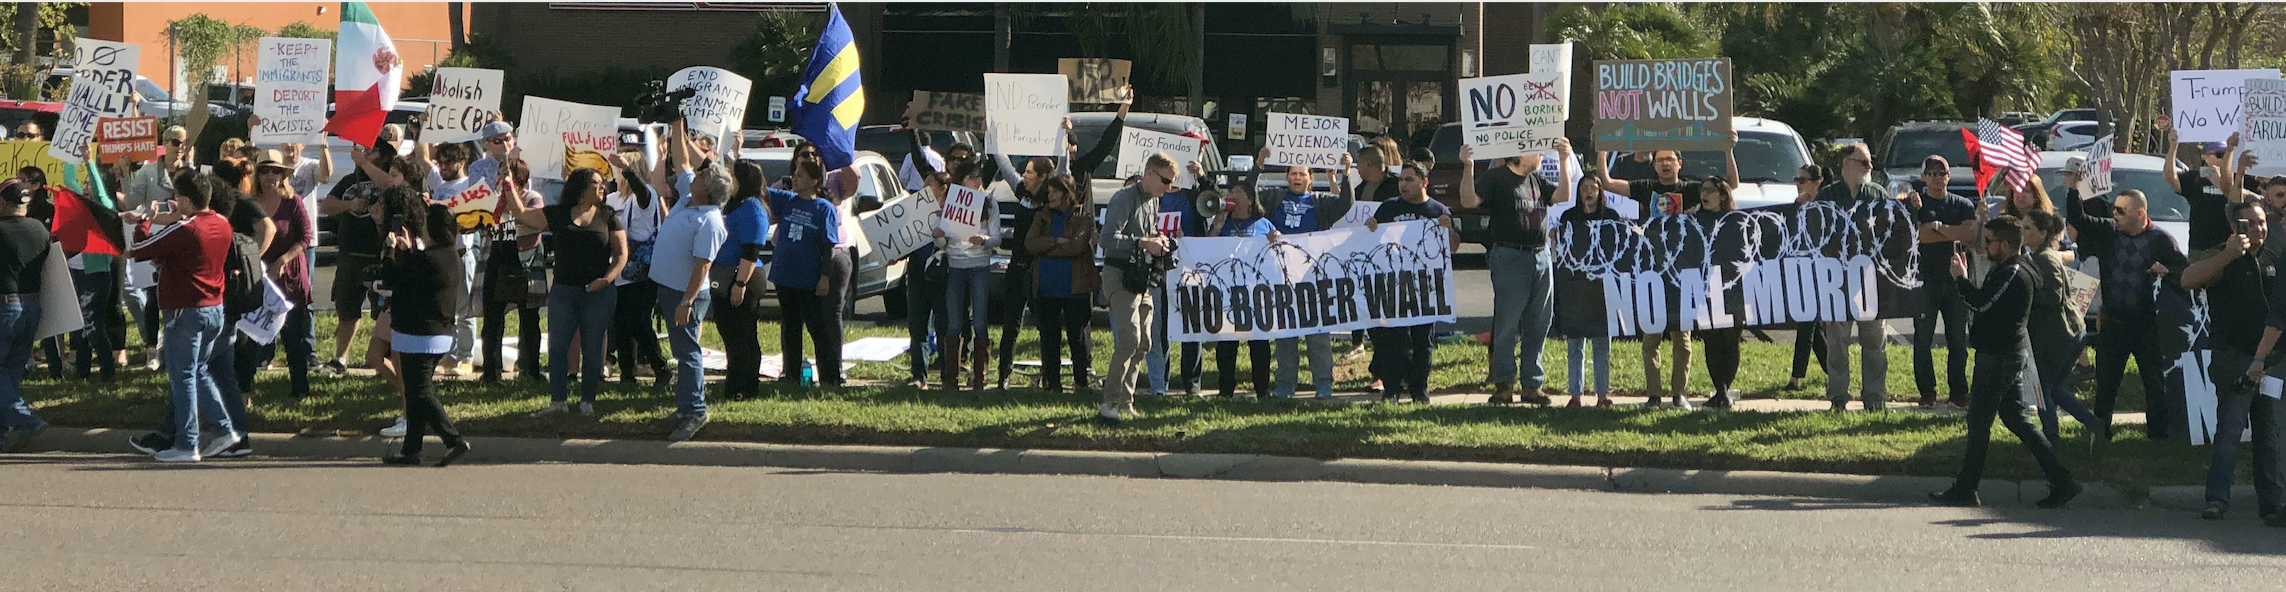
2002, 148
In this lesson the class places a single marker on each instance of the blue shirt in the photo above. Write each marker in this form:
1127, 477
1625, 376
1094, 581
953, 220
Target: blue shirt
1295, 212
689, 235
1056, 272
1254, 227
748, 227
806, 228
683, 187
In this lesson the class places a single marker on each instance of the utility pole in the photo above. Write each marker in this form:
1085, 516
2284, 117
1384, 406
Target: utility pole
1000, 37
1198, 59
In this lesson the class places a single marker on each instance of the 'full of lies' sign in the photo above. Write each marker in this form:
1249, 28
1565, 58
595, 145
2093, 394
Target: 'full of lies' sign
1662, 104
1512, 115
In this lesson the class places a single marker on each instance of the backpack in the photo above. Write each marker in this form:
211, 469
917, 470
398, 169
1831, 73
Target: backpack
242, 276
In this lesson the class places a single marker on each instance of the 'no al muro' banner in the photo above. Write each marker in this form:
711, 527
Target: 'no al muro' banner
1767, 266
1345, 279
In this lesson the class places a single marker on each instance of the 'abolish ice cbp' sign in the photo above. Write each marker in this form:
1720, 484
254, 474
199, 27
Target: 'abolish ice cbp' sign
1345, 279
1767, 266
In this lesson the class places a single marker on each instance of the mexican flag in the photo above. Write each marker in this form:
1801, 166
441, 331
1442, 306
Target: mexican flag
366, 74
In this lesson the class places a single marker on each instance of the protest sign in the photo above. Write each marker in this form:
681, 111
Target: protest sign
1555, 58
900, 226
2263, 132
1097, 80
1136, 145
2098, 167
2206, 102
963, 213
263, 324
948, 111
1512, 115
1345, 279
1026, 113
1358, 213
17, 154
290, 82
585, 136
1749, 268
1662, 104
102, 77
719, 108
59, 300
460, 103
133, 138
474, 207
1314, 141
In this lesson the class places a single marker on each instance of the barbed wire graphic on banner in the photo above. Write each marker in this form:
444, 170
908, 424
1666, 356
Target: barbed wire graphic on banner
1881, 231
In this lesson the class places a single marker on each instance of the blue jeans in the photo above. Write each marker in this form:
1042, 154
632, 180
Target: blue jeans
2235, 409
299, 337
2053, 362
1156, 361
690, 372
192, 335
1321, 363
1523, 302
924, 310
968, 302
18, 320
575, 312
1602, 363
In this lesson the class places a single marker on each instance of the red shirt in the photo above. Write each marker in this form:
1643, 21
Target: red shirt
190, 257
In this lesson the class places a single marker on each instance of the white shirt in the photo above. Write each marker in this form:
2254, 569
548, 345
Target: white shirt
911, 177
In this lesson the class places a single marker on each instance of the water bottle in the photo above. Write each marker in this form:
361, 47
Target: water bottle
809, 373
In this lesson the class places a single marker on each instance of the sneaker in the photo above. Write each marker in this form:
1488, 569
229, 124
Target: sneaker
21, 439
453, 452
175, 456
394, 431
1533, 397
244, 448
333, 368
1107, 414
150, 443
2215, 510
556, 408
2060, 494
151, 365
215, 446
1952, 499
586, 409
688, 428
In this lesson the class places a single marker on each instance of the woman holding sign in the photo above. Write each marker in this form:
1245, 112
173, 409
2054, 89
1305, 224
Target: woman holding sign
1065, 278
283, 259
1241, 219
1722, 344
968, 258
1589, 209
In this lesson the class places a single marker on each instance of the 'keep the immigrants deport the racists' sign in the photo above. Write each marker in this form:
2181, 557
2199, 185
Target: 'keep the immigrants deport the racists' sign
1345, 279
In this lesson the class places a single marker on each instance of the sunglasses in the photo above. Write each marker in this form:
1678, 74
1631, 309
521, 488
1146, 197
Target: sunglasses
2116, 210
497, 141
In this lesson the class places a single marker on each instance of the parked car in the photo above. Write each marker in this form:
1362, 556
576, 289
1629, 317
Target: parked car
2140, 172
2016, 117
876, 185
15, 113
1912, 142
768, 138
2071, 136
2037, 131
156, 101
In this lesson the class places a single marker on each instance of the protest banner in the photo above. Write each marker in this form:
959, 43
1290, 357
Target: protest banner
2098, 167
1662, 104
947, 111
2263, 131
475, 207
1512, 115
586, 136
460, 103
1136, 145
2206, 102
17, 154
1749, 268
900, 226
1313, 141
1345, 279
963, 213
1025, 113
719, 108
1097, 80
133, 138
291, 82
1555, 58
102, 78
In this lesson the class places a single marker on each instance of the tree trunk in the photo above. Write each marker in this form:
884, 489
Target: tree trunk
1000, 37
454, 20
1198, 60
27, 31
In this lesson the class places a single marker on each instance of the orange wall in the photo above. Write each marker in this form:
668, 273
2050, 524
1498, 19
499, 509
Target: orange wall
145, 23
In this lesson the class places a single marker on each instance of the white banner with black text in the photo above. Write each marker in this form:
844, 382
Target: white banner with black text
1345, 279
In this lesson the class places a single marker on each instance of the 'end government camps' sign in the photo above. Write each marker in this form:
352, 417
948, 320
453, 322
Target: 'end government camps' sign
1663, 104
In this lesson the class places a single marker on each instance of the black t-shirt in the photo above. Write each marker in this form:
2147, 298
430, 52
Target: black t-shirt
356, 232
1664, 199
42, 208
583, 253
1518, 206
1937, 257
1399, 210
1577, 214
2209, 225
24, 244
2245, 285
245, 216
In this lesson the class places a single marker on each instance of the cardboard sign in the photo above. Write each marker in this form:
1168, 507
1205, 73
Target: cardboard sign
102, 78
719, 108
1097, 80
900, 226
1504, 116
947, 111
17, 154
2206, 102
290, 82
2098, 167
1556, 59
585, 134
963, 213
474, 207
1663, 104
460, 103
1025, 113
1245, 289
1136, 145
1313, 141
133, 138
2263, 132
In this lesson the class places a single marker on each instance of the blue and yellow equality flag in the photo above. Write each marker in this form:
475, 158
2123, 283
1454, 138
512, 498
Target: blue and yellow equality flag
827, 108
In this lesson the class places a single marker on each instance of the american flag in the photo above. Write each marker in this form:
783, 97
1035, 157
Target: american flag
1999, 147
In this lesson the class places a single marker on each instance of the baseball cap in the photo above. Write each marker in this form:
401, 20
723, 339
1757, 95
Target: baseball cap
271, 158
1935, 164
496, 129
2074, 164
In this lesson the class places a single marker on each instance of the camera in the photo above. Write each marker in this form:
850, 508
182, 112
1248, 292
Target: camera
659, 105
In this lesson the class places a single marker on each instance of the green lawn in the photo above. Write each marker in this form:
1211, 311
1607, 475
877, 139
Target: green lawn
1880, 443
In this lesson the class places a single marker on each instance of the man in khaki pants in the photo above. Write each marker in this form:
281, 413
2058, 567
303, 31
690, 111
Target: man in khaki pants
1129, 231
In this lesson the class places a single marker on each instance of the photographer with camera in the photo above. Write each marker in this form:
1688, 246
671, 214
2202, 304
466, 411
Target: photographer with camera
2244, 337
1133, 248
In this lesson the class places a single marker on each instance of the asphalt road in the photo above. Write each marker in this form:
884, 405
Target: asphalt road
78, 522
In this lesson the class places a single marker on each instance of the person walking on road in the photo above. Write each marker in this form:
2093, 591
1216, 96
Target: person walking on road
2001, 304
421, 267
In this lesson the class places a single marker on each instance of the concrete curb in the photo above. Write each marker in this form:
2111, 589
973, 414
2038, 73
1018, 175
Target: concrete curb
1240, 467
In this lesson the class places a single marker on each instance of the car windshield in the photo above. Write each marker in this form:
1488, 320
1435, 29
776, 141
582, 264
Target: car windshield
1763, 157
1908, 148
774, 169
2166, 205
